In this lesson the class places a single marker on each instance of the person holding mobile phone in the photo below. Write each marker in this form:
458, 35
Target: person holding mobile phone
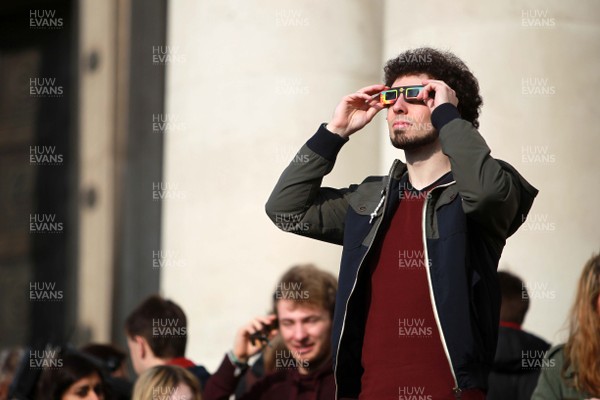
303, 306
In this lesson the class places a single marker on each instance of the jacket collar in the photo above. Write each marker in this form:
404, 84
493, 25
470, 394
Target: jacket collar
181, 362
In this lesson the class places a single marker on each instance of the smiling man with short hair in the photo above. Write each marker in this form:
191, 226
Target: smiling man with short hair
303, 305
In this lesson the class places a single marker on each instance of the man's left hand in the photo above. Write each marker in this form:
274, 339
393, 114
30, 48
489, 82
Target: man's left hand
443, 94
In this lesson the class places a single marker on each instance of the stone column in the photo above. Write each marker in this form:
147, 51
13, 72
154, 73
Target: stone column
248, 83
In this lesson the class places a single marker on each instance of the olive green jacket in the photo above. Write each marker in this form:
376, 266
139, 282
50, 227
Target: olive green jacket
551, 385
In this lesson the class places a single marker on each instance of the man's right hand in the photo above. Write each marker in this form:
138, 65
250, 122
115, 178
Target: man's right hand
243, 348
355, 111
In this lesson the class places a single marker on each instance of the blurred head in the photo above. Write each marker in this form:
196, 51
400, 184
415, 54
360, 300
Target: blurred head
304, 303
167, 382
440, 65
110, 356
78, 378
9, 361
515, 300
582, 350
156, 333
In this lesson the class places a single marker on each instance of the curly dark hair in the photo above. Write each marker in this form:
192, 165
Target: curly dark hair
442, 65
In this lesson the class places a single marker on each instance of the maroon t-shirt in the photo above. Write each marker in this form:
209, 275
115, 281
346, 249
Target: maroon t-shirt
403, 356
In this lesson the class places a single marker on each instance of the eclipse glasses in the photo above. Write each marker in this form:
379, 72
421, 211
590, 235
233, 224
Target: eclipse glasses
390, 96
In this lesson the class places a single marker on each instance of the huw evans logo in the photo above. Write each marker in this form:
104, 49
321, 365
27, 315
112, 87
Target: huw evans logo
162, 123
161, 392
537, 291
45, 87
163, 55
44, 359
44, 291
44, 155
413, 393
291, 223
164, 190
44, 19
537, 19
291, 87
412, 259
168, 327
290, 291
415, 58
285, 359
291, 18
538, 222
534, 359
414, 327
167, 259
537, 86
535, 154
44, 223
287, 154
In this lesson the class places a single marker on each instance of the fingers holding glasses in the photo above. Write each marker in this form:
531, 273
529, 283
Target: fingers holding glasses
356, 110
443, 93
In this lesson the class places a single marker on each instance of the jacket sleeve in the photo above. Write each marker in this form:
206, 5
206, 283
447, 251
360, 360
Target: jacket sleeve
222, 383
299, 204
493, 193
549, 386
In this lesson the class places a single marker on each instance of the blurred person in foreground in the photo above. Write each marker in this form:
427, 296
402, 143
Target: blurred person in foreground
112, 361
76, 378
519, 354
418, 300
303, 305
157, 335
112, 358
572, 369
167, 382
9, 361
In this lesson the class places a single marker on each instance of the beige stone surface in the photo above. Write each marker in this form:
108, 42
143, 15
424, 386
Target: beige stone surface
252, 80
252, 83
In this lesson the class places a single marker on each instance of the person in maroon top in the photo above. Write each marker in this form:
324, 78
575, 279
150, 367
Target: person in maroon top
404, 355
418, 299
157, 335
303, 305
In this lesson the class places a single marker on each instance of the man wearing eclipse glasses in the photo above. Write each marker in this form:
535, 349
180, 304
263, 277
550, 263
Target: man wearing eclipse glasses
418, 299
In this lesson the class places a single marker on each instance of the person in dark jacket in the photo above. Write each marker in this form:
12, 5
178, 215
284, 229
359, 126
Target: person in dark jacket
157, 335
519, 355
418, 299
303, 305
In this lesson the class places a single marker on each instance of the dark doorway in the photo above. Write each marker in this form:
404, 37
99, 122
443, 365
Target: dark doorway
38, 157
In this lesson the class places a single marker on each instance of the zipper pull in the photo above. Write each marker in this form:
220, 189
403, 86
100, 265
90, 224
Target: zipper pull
457, 393
374, 213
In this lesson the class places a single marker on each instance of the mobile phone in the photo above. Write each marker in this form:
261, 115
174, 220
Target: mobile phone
263, 335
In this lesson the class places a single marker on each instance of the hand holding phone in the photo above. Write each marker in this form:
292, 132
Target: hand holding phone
263, 335
254, 336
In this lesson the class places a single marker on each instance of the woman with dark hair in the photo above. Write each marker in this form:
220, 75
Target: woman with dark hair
572, 370
76, 379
